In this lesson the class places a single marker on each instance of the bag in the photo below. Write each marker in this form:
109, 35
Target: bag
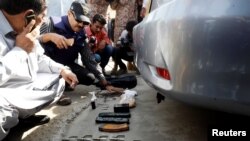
129, 98
123, 81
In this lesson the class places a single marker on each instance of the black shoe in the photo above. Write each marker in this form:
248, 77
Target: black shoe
121, 71
35, 120
64, 100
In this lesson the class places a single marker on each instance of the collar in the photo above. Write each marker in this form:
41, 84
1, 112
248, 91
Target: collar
65, 21
5, 27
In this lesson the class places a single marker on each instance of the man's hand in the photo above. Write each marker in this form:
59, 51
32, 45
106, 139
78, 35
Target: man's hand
69, 77
26, 39
113, 89
60, 41
103, 82
101, 44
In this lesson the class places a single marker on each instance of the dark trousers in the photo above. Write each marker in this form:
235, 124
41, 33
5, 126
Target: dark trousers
82, 74
104, 55
122, 53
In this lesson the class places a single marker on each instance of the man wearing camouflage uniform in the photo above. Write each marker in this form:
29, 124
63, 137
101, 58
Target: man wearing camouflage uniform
126, 10
98, 7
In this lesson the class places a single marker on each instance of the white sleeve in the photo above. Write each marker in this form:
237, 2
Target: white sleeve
12, 62
46, 64
123, 34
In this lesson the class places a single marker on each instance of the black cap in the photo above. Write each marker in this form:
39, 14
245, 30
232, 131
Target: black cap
81, 11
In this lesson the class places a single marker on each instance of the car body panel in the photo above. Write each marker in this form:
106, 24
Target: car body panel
205, 46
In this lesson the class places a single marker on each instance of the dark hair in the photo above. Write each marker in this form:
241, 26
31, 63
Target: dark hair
130, 25
14, 7
99, 18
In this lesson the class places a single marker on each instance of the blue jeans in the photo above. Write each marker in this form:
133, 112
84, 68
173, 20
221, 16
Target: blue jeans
104, 55
97, 58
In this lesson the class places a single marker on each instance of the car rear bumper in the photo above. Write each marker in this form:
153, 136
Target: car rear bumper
205, 52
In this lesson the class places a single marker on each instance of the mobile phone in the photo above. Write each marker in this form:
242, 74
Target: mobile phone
29, 17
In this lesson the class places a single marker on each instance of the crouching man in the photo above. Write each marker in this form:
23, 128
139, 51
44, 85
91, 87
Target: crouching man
21, 63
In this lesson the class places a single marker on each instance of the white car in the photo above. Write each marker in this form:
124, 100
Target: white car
197, 51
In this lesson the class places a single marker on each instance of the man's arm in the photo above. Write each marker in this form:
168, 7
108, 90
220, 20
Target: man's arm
46, 64
47, 35
103, 40
14, 60
13, 64
89, 62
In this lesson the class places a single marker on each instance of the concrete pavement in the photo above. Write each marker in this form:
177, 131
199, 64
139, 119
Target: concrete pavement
165, 121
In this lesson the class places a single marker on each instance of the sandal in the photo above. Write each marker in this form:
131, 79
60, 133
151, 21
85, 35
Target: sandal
64, 101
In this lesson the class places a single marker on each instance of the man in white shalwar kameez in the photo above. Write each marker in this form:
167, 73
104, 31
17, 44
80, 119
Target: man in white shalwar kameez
21, 63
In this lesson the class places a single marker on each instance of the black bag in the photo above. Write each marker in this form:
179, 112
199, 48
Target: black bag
123, 81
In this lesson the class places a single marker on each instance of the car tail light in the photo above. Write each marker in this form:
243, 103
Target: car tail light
164, 73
